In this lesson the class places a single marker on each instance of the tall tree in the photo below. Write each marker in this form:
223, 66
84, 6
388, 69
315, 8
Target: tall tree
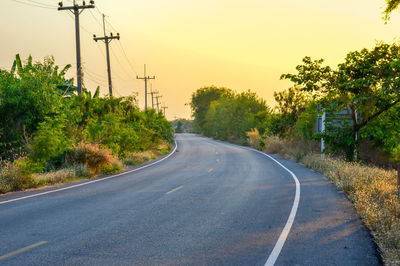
366, 85
391, 5
201, 101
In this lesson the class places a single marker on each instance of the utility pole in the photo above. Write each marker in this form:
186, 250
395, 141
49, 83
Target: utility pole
158, 103
152, 95
107, 40
77, 10
164, 107
145, 78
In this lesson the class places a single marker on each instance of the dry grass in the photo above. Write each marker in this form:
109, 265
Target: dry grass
254, 138
292, 149
374, 194
13, 179
137, 158
63, 175
275, 145
372, 190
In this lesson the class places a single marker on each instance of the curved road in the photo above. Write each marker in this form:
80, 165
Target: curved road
209, 203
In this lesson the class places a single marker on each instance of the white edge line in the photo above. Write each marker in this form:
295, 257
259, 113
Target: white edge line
285, 232
94, 181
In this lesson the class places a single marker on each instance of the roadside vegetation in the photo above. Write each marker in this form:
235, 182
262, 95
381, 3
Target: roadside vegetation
50, 135
361, 96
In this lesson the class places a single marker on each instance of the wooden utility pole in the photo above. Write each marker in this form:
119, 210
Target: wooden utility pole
145, 78
164, 107
158, 103
107, 40
77, 10
152, 95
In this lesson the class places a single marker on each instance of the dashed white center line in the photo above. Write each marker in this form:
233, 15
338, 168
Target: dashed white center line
175, 189
22, 250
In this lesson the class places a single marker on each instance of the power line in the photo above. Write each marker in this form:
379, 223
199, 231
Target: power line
95, 19
41, 3
127, 59
34, 5
120, 43
122, 67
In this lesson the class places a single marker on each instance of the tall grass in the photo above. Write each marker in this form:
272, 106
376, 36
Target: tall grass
137, 158
69, 173
372, 190
254, 138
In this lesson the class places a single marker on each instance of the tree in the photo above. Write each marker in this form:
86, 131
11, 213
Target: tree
366, 85
290, 104
28, 93
231, 115
391, 5
201, 100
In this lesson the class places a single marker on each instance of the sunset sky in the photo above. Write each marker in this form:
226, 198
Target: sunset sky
190, 44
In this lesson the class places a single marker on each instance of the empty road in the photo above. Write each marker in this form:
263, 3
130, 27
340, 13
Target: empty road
208, 203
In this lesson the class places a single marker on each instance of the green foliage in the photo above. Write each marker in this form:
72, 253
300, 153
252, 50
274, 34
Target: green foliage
44, 118
305, 123
28, 94
366, 85
201, 101
291, 103
391, 5
229, 115
12, 178
112, 168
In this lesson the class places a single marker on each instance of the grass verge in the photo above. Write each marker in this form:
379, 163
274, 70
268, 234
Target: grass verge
372, 190
84, 161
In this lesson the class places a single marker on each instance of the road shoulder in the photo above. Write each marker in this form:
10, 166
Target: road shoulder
328, 220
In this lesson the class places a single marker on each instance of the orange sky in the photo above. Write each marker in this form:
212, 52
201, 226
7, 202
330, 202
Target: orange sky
189, 44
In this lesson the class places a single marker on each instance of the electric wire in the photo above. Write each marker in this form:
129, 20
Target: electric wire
33, 5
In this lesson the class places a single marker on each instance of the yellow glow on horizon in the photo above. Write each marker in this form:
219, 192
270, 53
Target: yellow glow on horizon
189, 44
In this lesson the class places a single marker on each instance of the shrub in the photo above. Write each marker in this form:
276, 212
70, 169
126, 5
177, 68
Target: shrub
114, 167
92, 156
254, 138
274, 145
137, 158
59, 176
81, 170
13, 179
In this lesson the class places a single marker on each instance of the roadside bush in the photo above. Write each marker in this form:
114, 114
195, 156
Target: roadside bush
274, 145
254, 138
81, 170
114, 167
92, 156
59, 176
164, 147
13, 179
137, 158
63, 175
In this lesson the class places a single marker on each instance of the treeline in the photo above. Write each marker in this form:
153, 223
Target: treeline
361, 97
46, 126
224, 114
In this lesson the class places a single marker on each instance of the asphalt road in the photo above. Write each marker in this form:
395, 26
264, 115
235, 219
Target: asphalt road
209, 203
